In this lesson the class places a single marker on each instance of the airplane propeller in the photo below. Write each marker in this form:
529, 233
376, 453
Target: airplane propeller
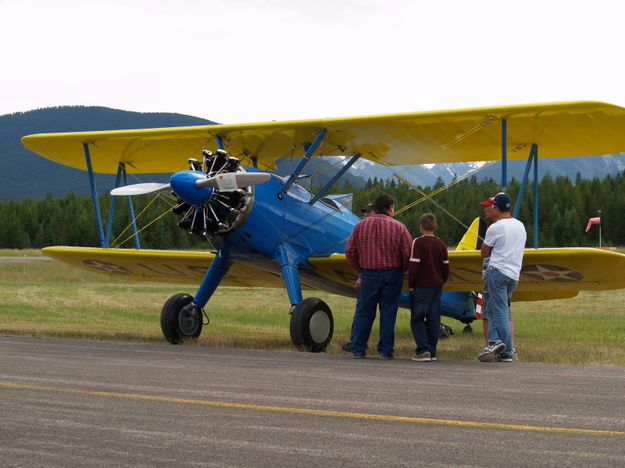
214, 196
225, 182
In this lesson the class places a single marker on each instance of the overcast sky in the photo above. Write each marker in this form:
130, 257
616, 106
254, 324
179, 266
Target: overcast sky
260, 60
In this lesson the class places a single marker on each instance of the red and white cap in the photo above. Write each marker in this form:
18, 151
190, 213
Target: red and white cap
488, 202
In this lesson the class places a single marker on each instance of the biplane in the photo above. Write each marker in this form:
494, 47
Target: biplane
269, 231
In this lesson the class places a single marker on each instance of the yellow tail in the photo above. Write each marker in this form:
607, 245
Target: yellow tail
472, 239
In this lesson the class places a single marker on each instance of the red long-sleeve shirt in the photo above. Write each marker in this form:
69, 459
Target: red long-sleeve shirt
379, 242
429, 263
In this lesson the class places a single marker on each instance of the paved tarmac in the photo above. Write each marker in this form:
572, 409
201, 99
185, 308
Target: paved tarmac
87, 403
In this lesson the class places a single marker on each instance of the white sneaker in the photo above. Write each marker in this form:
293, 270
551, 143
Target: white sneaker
490, 352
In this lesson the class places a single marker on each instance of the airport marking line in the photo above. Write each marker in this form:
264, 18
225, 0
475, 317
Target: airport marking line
314, 412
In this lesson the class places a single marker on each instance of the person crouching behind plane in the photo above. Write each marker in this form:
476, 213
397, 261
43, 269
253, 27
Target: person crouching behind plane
378, 248
429, 269
504, 244
493, 216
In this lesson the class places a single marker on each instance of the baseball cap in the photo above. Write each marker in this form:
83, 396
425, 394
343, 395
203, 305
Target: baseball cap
488, 202
502, 200
369, 207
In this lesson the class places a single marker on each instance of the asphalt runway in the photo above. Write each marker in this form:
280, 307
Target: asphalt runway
87, 403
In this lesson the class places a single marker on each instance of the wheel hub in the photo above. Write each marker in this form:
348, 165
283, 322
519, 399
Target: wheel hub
189, 319
319, 326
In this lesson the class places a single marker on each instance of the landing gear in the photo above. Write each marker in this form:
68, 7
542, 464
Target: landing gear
181, 319
468, 329
312, 325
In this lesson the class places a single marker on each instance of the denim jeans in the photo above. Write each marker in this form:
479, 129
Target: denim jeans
500, 288
425, 318
381, 287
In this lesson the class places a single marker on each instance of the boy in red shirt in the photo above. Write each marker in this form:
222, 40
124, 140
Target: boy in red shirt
429, 269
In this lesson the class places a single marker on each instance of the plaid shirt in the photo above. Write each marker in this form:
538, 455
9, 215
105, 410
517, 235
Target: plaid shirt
379, 242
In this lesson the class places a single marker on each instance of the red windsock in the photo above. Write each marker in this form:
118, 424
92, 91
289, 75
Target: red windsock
592, 221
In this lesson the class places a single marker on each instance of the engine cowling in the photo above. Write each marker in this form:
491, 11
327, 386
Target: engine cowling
214, 211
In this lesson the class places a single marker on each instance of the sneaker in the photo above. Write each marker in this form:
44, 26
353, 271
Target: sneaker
385, 357
347, 347
359, 356
490, 352
504, 357
425, 356
433, 358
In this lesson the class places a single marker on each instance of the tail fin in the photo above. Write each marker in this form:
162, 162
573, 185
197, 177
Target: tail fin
472, 239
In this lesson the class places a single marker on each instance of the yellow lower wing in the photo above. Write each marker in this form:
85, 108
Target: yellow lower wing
160, 265
546, 273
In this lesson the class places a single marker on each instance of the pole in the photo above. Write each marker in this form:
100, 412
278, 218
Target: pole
599, 211
504, 156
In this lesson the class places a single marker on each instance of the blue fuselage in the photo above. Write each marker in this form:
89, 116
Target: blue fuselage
288, 220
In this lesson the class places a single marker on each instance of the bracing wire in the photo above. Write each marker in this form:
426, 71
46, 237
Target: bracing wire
426, 196
135, 219
143, 227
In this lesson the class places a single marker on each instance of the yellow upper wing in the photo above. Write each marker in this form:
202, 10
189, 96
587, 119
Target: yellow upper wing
559, 129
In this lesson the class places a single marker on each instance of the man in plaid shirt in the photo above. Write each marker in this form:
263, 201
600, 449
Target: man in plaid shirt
379, 248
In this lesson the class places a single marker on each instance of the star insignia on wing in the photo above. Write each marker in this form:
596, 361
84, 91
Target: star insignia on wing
555, 273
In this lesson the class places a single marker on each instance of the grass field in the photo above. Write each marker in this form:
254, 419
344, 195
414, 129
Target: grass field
50, 299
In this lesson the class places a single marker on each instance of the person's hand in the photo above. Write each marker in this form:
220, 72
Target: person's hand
357, 284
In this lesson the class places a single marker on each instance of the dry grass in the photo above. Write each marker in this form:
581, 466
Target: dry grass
51, 299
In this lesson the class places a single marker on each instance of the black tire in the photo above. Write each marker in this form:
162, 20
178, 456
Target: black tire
177, 325
312, 325
467, 329
445, 332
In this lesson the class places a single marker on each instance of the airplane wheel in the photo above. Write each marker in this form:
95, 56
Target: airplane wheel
445, 332
467, 329
178, 322
312, 325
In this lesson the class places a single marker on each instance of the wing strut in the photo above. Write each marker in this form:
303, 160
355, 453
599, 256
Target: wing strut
504, 160
337, 176
94, 195
309, 152
121, 174
105, 237
533, 157
504, 176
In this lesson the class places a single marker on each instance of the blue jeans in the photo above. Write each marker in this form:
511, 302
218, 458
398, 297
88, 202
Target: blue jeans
425, 318
381, 287
500, 288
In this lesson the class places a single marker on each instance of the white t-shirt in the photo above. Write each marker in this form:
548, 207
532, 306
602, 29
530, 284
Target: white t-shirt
507, 238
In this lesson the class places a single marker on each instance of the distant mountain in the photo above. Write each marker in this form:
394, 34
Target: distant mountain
26, 175
588, 167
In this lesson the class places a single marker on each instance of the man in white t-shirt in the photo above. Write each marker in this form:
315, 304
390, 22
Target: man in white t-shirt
504, 244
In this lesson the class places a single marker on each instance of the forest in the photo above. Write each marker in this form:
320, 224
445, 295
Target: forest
564, 209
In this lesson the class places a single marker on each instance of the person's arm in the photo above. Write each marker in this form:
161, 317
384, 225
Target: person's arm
414, 264
351, 250
445, 266
406, 248
486, 250
490, 240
